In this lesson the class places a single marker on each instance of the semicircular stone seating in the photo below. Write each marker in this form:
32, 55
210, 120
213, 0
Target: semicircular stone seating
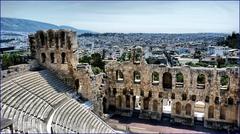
32, 99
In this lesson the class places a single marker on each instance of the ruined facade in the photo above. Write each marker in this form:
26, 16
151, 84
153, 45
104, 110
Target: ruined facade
134, 88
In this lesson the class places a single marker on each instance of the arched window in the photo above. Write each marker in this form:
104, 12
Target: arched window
224, 82
173, 96
193, 97
184, 96
188, 109
42, 38
119, 101
146, 103
222, 112
155, 78
167, 80
230, 101
210, 112
127, 101
155, 105
207, 99
119, 75
137, 77
142, 93
52, 57
62, 38
179, 80
150, 94
63, 57
201, 81
178, 108
51, 38
43, 56
77, 83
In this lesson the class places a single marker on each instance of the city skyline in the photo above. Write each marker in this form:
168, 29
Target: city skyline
134, 16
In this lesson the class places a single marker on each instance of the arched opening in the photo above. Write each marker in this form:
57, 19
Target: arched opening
137, 77
222, 112
137, 55
77, 84
179, 80
217, 100
146, 103
224, 82
63, 57
127, 101
104, 103
62, 38
230, 101
69, 44
150, 94
119, 75
184, 96
51, 38
207, 99
178, 108
52, 57
160, 94
199, 108
124, 91
42, 38
167, 81
114, 91
137, 102
155, 105
193, 97
119, 101
155, 78
210, 112
167, 106
188, 108
142, 93
173, 96
201, 81
43, 57
57, 40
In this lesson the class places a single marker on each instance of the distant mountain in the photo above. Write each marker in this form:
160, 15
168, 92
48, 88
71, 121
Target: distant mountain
24, 25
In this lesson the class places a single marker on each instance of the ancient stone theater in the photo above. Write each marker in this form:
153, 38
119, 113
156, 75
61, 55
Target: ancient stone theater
183, 94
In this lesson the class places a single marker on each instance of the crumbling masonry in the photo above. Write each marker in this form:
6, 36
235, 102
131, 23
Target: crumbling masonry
134, 88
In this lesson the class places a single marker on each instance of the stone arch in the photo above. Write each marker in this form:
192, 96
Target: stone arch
230, 101
42, 38
193, 97
167, 80
222, 112
224, 82
104, 104
119, 101
137, 77
179, 80
62, 38
63, 55
43, 57
119, 75
155, 78
211, 111
52, 57
145, 103
155, 105
184, 96
173, 96
178, 108
188, 108
76, 84
207, 99
51, 38
201, 81
128, 101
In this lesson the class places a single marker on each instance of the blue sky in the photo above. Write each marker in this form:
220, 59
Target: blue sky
131, 16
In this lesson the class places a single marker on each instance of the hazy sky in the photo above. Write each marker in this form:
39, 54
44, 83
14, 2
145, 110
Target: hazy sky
135, 16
